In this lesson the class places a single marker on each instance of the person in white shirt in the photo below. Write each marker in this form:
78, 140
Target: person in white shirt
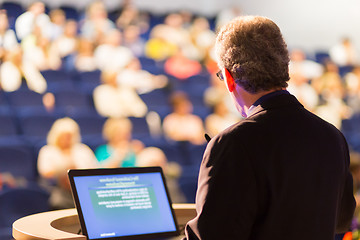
344, 53
111, 55
8, 40
114, 100
63, 151
34, 16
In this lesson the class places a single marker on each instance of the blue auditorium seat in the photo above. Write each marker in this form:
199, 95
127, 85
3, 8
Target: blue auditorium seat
20, 202
58, 80
18, 160
35, 127
88, 81
70, 12
72, 101
8, 125
140, 129
13, 10
321, 56
157, 101
24, 98
91, 125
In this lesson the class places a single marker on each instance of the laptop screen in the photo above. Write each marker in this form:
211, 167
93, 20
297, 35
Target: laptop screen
123, 203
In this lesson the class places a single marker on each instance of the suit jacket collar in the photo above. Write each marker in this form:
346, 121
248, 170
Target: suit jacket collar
279, 100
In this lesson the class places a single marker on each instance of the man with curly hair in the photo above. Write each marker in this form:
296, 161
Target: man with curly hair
282, 172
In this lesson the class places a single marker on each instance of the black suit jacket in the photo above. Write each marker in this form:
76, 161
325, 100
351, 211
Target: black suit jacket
282, 173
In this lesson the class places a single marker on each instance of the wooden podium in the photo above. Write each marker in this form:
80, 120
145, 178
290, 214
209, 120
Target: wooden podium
64, 224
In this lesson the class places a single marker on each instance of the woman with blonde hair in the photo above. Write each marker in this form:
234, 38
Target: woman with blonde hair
63, 151
120, 150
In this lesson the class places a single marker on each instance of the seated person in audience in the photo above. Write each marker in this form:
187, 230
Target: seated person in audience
202, 37
181, 66
167, 38
111, 55
67, 44
131, 16
173, 32
96, 24
8, 41
152, 156
120, 150
133, 41
331, 90
300, 87
344, 53
35, 16
181, 124
220, 119
142, 81
57, 24
85, 59
114, 100
63, 151
216, 92
299, 65
13, 67
10, 56
39, 51
352, 84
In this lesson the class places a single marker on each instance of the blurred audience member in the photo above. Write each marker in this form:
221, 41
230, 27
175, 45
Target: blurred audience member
8, 41
217, 92
220, 119
131, 16
182, 67
111, 55
96, 24
152, 156
329, 84
63, 151
10, 56
67, 44
13, 65
344, 53
331, 91
38, 50
159, 49
85, 60
306, 68
35, 16
114, 100
120, 150
202, 37
352, 81
133, 76
133, 41
181, 124
355, 171
166, 38
57, 24
300, 87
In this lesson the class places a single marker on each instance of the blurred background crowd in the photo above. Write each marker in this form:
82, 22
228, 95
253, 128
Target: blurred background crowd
126, 88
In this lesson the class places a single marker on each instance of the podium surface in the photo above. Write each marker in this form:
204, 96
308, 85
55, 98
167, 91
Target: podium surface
64, 224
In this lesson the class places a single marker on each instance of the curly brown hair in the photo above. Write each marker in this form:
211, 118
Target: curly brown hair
253, 50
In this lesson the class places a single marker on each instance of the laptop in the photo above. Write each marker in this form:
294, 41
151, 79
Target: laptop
123, 203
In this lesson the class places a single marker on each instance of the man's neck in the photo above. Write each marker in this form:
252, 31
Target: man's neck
250, 98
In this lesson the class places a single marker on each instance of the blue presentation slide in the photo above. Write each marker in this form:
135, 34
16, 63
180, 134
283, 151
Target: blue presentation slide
124, 205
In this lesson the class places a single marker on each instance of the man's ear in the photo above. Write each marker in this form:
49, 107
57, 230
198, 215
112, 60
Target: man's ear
229, 81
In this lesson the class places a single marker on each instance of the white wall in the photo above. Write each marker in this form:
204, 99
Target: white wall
310, 24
